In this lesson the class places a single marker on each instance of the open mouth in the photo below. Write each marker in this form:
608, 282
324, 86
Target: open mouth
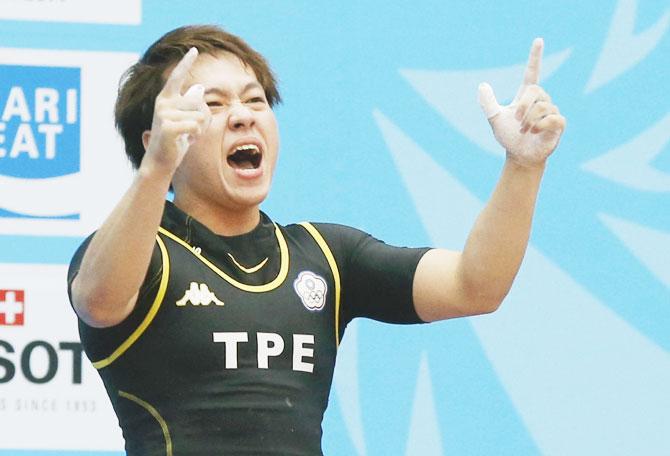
246, 156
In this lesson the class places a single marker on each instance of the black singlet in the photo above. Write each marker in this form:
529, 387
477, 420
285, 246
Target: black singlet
231, 346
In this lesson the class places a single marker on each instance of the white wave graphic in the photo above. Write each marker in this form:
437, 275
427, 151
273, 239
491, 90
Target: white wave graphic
454, 94
630, 163
623, 48
650, 246
581, 378
424, 430
51, 197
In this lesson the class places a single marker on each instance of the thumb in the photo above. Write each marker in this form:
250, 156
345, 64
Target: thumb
195, 97
487, 100
195, 92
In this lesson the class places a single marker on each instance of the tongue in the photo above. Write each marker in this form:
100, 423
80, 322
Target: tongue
240, 162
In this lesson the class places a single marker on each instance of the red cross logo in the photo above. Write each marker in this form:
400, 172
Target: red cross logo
12, 306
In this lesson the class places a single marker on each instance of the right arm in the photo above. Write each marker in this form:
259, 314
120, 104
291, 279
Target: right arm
105, 289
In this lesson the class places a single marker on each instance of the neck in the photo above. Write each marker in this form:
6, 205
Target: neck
219, 219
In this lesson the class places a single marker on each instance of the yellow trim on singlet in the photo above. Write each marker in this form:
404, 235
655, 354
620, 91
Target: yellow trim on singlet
153, 310
250, 270
281, 275
333, 267
152, 410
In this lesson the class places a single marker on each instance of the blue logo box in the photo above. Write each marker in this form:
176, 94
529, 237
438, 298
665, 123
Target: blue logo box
39, 121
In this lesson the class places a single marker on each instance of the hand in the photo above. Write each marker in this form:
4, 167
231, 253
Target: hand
178, 119
530, 127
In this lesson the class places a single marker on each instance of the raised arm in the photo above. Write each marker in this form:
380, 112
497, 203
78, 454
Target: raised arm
451, 284
105, 290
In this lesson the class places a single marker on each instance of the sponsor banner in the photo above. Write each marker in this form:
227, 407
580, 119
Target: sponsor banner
61, 159
50, 395
83, 11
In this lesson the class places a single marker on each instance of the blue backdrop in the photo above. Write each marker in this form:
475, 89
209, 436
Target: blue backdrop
381, 130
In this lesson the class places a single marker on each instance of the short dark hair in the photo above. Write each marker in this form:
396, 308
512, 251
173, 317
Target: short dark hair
142, 82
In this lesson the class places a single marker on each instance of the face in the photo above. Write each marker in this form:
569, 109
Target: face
232, 162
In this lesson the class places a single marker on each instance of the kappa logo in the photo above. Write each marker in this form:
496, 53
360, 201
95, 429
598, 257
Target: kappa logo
12, 306
311, 289
199, 295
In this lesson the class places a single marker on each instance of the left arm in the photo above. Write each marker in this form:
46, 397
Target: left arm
451, 284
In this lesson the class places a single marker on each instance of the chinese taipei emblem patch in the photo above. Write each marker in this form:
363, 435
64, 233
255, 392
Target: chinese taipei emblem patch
311, 289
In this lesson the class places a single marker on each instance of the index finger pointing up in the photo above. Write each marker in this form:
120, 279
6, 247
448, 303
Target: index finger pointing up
532, 74
176, 79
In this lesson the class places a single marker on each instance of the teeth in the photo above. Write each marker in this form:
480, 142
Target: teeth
248, 147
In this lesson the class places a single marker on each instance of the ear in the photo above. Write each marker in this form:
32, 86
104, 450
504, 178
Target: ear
146, 136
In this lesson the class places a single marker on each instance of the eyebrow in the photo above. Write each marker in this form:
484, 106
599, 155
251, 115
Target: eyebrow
223, 92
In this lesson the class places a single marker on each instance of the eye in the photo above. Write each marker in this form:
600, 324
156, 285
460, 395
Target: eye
256, 100
214, 104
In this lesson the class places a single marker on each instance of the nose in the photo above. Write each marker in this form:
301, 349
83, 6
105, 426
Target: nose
240, 117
